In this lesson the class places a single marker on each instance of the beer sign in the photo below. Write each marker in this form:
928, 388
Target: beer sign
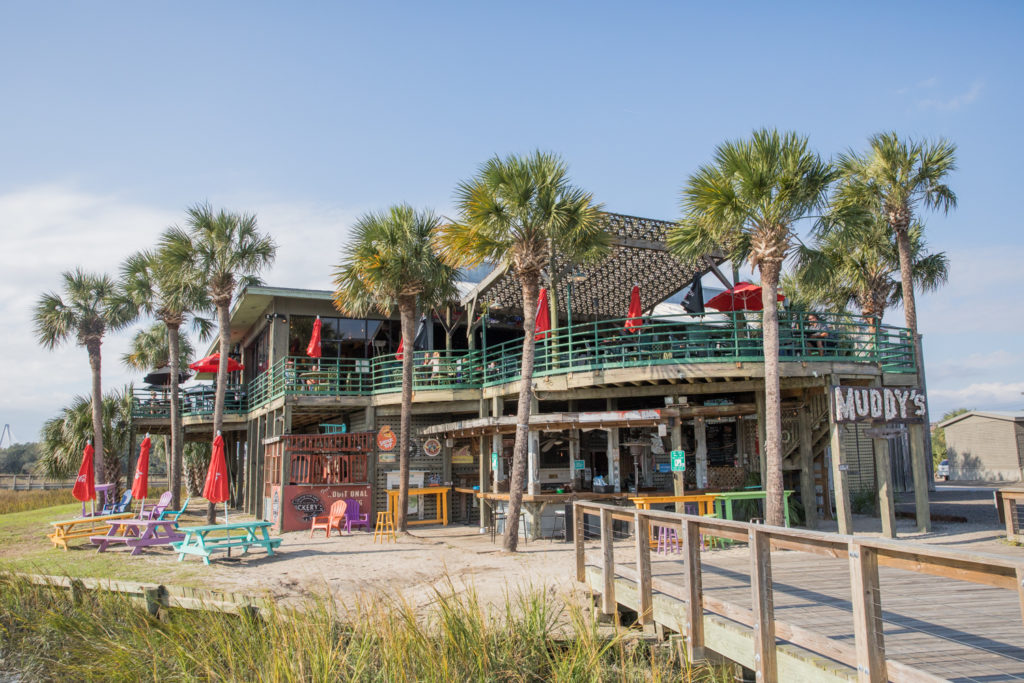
877, 404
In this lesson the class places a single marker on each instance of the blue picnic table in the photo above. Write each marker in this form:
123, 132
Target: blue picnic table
204, 540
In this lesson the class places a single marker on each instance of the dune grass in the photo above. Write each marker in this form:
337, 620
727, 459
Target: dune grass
21, 501
47, 635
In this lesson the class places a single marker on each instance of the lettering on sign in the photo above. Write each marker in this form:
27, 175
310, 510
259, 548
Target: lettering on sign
877, 404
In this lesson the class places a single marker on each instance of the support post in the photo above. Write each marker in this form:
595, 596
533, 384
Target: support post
607, 564
694, 591
701, 454
761, 435
614, 466
839, 475
578, 538
764, 609
883, 475
533, 456
867, 614
919, 463
808, 494
642, 529
678, 478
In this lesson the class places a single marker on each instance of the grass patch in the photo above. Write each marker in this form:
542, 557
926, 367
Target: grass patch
21, 501
105, 637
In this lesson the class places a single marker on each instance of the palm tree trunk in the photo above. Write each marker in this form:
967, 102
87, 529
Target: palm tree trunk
407, 315
93, 347
906, 278
176, 454
772, 398
518, 479
223, 323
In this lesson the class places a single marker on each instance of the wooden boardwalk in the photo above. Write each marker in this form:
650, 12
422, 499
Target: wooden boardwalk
922, 613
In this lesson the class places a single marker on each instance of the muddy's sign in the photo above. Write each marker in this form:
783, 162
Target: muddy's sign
877, 404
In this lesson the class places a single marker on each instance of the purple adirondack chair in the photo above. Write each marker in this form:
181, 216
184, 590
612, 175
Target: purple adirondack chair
352, 516
161, 505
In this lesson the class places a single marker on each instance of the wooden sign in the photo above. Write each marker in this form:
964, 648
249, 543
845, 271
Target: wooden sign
877, 404
386, 438
432, 447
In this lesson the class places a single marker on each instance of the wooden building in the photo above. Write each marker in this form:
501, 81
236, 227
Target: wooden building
609, 404
985, 446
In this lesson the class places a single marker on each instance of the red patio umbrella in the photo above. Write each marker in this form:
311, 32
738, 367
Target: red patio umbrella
215, 489
212, 364
140, 484
543, 319
634, 319
85, 483
742, 297
401, 345
313, 350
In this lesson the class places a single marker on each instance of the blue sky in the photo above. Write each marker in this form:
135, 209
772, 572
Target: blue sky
116, 116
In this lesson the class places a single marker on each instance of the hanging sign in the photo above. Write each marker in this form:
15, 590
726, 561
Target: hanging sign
432, 447
678, 461
877, 404
386, 439
579, 464
463, 455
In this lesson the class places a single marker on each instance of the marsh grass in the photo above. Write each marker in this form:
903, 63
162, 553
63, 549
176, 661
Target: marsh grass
23, 501
46, 635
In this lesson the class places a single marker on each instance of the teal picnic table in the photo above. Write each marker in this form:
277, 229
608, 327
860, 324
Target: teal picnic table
204, 540
724, 501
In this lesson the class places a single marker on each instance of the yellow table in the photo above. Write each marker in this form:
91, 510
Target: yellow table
441, 494
705, 506
82, 527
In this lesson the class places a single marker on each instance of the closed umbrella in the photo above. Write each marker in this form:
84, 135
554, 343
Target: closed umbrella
419, 342
215, 489
313, 350
742, 297
543, 319
85, 482
634, 321
140, 484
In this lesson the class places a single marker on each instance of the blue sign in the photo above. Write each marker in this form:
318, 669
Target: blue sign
664, 467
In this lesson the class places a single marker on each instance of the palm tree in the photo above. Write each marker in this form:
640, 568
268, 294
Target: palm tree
156, 286
150, 350
859, 265
225, 252
89, 307
748, 201
517, 212
388, 264
64, 435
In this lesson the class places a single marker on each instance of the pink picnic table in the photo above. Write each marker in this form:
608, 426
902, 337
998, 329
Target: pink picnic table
138, 533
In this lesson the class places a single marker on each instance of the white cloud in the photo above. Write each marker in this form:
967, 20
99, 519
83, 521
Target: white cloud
982, 396
955, 102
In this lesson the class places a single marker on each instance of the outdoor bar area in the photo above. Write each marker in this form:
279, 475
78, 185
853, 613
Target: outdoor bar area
647, 391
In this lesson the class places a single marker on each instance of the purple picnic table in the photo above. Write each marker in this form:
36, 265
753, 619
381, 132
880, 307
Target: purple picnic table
138, 533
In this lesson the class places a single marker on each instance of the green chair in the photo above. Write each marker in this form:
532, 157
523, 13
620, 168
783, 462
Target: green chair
173, 515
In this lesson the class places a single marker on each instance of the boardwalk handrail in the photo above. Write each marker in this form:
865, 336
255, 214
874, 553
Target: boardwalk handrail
865, 556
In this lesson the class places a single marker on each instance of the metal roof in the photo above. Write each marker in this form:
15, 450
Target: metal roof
638, 257
1009, 415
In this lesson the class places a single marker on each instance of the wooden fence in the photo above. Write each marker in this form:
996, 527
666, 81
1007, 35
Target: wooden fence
29, 482
683, 604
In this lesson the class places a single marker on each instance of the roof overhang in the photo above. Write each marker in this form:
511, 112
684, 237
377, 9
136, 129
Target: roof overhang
554, 422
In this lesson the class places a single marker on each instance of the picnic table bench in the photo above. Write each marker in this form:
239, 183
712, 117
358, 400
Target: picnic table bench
138, 533
82, 527
204, 540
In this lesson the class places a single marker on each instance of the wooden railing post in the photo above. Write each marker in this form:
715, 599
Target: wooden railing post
866, 597
642, 532
694, 592
607, 563
764, 608
577, 535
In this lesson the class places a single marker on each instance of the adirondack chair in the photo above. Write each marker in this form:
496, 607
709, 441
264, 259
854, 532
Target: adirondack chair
175, 514
158, 509
335, 519
120, 506
352, 516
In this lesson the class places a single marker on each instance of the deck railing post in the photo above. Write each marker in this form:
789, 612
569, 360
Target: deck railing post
867, 614
642, 532
577, 535
607, 563
694, 592
764, 609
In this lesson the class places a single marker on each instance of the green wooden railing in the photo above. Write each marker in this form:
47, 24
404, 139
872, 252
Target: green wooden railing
602, 345
194, 402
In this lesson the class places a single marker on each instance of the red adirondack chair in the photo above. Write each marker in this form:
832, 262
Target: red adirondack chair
334, 519
353, 518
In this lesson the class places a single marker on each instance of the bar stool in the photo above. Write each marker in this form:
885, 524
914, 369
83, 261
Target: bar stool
559, 525
385, 530
668, 540
500, 517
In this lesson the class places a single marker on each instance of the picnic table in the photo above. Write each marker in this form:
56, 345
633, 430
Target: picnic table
138, 533
82, 527
204, 540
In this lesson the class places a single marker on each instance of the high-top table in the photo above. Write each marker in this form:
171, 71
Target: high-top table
439, 492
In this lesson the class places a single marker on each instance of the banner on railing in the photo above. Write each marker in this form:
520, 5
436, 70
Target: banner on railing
878, 404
